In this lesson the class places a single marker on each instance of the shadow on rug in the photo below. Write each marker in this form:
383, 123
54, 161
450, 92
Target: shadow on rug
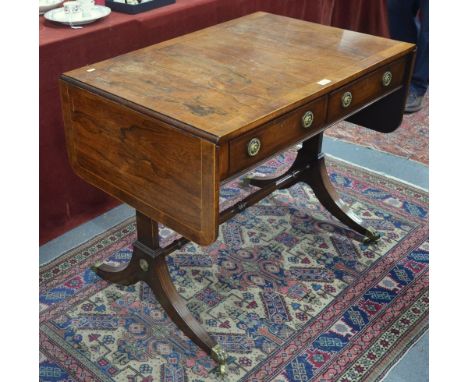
288, 292
410, 140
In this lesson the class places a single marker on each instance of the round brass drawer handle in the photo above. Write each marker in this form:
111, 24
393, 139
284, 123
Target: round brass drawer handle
254, 146
346, 99
387, 78
307, 119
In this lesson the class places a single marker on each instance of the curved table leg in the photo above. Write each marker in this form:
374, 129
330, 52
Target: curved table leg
148, 264
126, 274
266, 181
160, 282
259, 182
316, 176
309, 167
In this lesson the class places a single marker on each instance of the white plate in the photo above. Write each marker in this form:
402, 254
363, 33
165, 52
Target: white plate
59, 16
47, 5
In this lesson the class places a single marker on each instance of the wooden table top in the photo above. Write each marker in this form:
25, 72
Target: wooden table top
225, 80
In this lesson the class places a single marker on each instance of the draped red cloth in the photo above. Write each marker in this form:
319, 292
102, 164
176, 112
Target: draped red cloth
65, 200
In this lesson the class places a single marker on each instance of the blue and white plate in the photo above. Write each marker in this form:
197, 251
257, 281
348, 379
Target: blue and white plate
59, 16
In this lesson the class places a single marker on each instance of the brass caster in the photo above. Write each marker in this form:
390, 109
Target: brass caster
94, 267
245, 182
220, 356
372, 236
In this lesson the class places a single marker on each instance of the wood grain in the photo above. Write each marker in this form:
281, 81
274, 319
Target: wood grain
155, 272
160, 127
365, 90
386, 114
165, 173
228, 79
276, 135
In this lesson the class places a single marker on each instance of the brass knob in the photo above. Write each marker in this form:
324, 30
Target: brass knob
254, 146
387, 78
307, 119
346, 99
144, 265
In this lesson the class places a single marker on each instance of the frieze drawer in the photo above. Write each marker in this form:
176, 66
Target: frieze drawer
357, 94
276, 135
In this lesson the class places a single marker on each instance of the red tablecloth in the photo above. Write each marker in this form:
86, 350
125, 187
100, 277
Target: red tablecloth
65, 200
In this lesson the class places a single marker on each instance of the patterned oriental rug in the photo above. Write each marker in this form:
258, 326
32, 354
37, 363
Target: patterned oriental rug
287, 290
410, 140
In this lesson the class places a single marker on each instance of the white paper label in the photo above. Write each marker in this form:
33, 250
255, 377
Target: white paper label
324, 81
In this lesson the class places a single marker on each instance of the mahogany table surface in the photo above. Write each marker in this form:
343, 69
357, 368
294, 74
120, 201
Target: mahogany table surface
159, 128
229, 78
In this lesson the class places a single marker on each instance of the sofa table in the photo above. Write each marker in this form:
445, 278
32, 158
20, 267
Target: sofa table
161, 128
65, 200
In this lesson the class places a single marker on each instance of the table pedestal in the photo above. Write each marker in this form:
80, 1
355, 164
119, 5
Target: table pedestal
148, 260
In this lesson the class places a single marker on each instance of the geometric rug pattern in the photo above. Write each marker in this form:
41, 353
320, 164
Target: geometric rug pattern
288, 291
410, 140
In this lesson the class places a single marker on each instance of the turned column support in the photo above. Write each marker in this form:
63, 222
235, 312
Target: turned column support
148, 264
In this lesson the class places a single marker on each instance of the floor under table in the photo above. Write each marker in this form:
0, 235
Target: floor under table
414, 365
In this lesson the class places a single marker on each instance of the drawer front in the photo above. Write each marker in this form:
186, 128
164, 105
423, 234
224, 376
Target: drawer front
362, 91
277, 135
